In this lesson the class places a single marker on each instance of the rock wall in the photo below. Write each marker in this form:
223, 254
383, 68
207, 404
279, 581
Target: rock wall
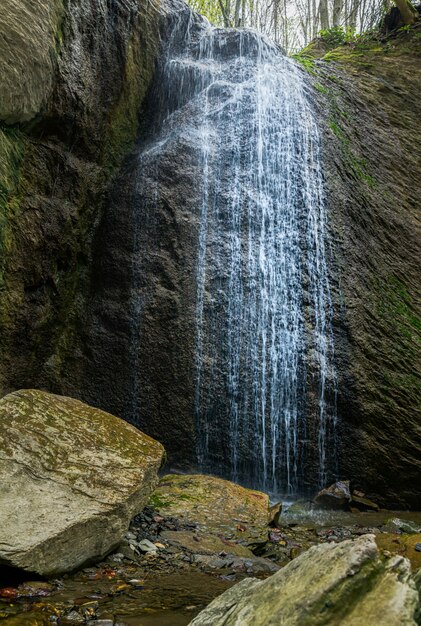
368, 95
65, 290
73, 76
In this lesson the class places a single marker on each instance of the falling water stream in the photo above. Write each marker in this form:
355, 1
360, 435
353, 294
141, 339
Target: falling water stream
265, 381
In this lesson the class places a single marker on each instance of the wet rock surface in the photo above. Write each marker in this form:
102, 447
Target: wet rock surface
337, 496
368, 97
83, 67
214, 505
72, 477
28, 53
321, 587
169, 583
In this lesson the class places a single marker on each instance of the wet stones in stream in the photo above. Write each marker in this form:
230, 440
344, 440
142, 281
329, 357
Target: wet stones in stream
173, 561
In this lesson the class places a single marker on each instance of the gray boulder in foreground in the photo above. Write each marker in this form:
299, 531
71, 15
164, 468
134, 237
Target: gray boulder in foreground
71, 478
330, 584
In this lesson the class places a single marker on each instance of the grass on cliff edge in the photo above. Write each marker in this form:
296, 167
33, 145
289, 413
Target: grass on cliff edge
340, 45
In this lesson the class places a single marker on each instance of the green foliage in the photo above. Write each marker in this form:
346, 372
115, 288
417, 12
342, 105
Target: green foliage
318, 87
306, 62
337, 35
210, 9
346, 45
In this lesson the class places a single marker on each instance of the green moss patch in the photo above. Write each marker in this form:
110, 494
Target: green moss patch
12, 150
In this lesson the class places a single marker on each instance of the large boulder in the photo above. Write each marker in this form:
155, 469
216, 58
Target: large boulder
72, 477
330, 584
214, 506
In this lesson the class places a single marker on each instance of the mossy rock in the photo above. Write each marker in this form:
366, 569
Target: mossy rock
73, 477
330, 584
217, 506
403, 545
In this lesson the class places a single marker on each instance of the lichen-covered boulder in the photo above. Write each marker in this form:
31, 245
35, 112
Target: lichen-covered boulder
71, 479
29, 42
330, 584
214, 505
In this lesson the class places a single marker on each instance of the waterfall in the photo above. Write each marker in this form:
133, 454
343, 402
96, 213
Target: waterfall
264, 375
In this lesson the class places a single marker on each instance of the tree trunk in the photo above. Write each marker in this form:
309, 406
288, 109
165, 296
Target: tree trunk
243, 13
337, 12
237, 13
225, 14
352, 22
324, 15
407, 11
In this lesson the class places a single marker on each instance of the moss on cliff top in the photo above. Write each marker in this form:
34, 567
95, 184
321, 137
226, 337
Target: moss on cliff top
365, 48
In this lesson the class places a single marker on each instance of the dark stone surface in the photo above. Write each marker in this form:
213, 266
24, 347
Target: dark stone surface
337, 496
370, 110
65, 320
51, 191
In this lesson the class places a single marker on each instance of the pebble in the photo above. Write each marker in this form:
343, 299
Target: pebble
130, 535
147, 546
418, 547
73, 618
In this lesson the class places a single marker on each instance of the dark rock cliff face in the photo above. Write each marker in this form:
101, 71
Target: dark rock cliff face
67, 295
64, 129
138, 328
369, 101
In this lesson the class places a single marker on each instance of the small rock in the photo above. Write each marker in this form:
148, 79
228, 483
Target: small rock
116, 558
73, 618
88, 609
404, 526
36, 589
418, 547
130, 535
9, 593
337, 496
276, 537
147, 546
275, 513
